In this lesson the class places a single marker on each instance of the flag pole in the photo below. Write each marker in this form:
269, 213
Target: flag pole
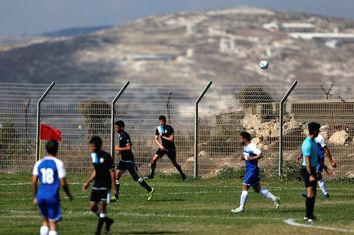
40, 149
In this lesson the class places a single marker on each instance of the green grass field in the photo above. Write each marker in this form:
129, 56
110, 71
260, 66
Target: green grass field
191, 207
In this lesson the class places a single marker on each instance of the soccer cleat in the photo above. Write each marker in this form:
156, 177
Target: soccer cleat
310, 219
304, 195
151, 194
277, 202
237, 210
109, 222
114, 198
149, 177
326, 196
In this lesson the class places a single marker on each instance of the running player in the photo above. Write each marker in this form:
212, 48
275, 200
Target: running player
103, 177
164, 139
51, 173
127, 161
251, 154
308, 170
323, 151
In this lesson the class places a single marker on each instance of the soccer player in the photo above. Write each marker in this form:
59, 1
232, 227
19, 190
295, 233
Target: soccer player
51, 173
103, 177
127, 161
164, 139
308, 169
251, 154
323, 151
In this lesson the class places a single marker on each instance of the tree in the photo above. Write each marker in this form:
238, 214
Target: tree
251, 96
96, 113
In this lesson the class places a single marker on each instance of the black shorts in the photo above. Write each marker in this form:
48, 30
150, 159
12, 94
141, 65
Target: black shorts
306, 177
127, 165
171, 153
100, 195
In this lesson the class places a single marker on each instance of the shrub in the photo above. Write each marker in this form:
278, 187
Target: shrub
228, 172
291, 170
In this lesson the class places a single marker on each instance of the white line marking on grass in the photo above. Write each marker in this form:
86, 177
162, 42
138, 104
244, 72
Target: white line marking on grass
287, 187
159, 184
293, 223
19, 213
242, 217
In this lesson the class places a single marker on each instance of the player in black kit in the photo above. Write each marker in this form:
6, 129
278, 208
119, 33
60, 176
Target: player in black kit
165, 140
103, 177
127, 161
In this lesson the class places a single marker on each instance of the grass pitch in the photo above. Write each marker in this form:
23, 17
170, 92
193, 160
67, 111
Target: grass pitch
191, 207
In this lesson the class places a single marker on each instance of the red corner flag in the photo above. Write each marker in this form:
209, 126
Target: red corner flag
49, 133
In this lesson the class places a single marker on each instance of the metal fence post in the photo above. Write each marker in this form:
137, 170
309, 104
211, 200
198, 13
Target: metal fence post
196, 129
38, 126
281, 129
113, 110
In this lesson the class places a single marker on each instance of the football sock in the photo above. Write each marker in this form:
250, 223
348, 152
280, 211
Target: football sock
179, 168
312, 208
308, 207
96, 212
101, 220
142, 182
323, 186
265, 193
117, 187
44, 230
243, 199
152, 168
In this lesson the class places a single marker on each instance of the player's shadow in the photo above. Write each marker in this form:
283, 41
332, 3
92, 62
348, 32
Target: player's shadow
169, 200
151, 232
290, 210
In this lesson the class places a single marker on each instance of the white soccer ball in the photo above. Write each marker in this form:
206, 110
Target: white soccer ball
263, 64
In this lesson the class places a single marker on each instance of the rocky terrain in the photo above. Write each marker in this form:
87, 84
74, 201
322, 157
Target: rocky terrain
224, 46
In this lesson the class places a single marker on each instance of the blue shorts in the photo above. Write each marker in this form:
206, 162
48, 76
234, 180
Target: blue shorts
50, 208
251, 178
320, 164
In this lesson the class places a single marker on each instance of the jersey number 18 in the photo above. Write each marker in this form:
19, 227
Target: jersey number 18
47, 175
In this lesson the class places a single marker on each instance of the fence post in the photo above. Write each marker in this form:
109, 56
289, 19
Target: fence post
38, 125
113, 110
196, 129
281, 120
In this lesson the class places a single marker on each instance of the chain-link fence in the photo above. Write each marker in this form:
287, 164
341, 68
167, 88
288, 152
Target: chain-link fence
82, 110
225, 111
18, 125
79, 111
140, 107
331, 105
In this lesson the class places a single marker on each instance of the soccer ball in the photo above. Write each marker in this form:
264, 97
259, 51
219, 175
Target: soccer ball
263, 64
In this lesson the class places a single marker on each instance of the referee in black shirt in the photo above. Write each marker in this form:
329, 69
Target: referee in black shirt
164, 139
127, 161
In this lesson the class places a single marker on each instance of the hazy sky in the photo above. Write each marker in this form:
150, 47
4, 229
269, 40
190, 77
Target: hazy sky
37, 16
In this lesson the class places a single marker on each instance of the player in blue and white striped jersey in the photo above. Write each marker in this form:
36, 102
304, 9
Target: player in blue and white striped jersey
323, 150
251, 154
51, 174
